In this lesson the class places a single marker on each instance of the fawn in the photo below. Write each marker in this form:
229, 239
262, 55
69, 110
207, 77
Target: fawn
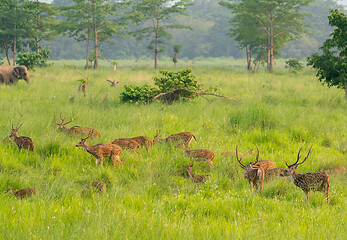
143, 141
243, 155
194, 177
100, 151
99, 186
255, 172
183, 138
199, 154
76, 130
318, 181
127, 143
22, 142
23, 193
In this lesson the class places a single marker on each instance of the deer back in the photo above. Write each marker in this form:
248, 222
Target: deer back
183, 138
336, 170
105, 150
23, 193
126, 143
81, 131
143, 141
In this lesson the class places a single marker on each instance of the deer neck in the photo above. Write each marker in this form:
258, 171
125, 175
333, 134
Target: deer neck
88, 148
294, 176
190, 173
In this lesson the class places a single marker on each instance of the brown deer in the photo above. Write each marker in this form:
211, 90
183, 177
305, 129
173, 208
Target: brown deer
126, 143
273, 173
76, 131
199, 154
194, 177
143, 141
22, 142
183, 138
255, 171
242, 155
100, 151
23, 193
318, 181
336, 170
99, 186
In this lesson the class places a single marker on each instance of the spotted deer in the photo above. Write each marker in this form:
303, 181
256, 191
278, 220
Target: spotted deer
255, 171
100, 151
194, 177
143, 141
127, 143
242, 155
199, 154
22, 142
318, 181
336, 170
76, 131
183, 138
23, 193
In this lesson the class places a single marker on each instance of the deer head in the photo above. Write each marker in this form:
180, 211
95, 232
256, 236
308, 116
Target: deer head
63, 123
292, 168
157, 137
82, 142
14, 131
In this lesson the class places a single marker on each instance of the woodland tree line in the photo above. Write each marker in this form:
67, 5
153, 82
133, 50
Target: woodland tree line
89, 29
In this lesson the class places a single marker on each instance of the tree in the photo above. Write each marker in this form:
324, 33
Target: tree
153, 13
332, 63
176, 49
269, 23
91, 18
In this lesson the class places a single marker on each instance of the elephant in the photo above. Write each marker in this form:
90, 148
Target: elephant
12, 74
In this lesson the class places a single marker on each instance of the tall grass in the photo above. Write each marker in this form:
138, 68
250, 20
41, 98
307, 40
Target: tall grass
149, 197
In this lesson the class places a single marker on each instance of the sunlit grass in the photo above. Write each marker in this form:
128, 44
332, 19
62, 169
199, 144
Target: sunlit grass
149, 197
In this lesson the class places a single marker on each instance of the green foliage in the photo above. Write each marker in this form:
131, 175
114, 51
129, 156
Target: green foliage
332, 64
138, 94
177, 48
167, 82
294, 65
30, 60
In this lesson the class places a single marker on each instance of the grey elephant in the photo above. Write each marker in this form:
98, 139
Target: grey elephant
12, 74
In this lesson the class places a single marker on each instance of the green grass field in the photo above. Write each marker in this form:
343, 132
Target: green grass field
148, 198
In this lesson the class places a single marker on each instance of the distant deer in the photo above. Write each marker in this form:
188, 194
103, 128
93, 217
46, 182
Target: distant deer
76, 130
22, 142
23, 193
254, 172
273, 173
242, 155
318, 181
126, 143
184, 138
99, 186
194, 177
199, 154
100, 151
336, 170
143, 141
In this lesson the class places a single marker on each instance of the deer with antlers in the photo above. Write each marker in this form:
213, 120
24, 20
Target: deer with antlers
76, 130
100, 151
255, 171
183, 138
318, 181
22, 142
23, 193
194, 177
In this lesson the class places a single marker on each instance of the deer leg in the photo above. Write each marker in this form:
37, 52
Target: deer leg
101, 160
96, 161
251, 185
188, 143
306, 196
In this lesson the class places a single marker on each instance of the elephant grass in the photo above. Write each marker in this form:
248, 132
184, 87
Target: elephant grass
149, 197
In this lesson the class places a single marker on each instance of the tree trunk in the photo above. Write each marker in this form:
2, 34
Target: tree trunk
156, 46
174, 59
249, 58
87, 58
96, 62
15, 39
345, 83
271, 50
7, 55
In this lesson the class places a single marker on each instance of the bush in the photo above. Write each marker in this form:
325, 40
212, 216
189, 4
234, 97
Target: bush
33, 59
168, 82
294, 65
138, 94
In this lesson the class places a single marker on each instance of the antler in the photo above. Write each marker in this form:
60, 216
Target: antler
62, 120
306, 156
237, 157
73, 116
257, 154
297, 160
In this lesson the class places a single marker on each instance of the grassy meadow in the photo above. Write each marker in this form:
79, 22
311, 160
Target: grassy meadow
149, 198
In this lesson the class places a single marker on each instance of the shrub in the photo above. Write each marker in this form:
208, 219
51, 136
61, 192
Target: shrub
33, 59
138, 94
169, 81
294, 65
